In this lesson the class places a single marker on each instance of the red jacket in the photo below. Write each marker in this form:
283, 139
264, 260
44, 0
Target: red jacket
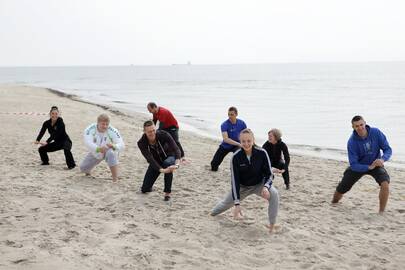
165, 118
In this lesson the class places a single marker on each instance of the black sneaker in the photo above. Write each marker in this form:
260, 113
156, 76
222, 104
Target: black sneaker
45, 163
287, 187
71, 167
167, 198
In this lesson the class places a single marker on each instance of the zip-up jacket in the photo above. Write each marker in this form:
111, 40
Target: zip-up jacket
164, 147
362, 152
274, 151
94, 140
250, 172
57, 131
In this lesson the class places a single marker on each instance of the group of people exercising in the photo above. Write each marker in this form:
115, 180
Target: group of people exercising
252, 167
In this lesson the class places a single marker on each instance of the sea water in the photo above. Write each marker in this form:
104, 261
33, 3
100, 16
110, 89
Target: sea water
311, 103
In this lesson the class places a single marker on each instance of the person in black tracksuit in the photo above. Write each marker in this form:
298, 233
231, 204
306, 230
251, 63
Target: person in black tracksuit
250, 174
58, 139
163, 155
275, 147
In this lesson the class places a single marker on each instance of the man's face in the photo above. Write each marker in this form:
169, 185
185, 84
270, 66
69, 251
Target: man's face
150, 132
102, 126
232, 116
360, 127
152, 110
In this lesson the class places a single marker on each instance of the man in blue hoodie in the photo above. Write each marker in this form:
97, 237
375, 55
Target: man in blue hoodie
364, 150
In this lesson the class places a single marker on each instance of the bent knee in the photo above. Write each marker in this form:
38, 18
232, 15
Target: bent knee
385, 184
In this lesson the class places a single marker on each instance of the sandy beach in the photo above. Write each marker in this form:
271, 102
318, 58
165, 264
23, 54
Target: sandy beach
52, 218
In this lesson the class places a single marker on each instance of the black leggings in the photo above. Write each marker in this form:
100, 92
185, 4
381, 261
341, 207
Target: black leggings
56, 146
220, 155
174, 132
282, 166
152, 174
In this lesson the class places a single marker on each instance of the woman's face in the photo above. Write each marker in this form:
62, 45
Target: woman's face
247, 141
272, 139
54, 115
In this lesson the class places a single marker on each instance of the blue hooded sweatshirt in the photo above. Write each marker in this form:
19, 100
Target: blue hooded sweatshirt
363, 152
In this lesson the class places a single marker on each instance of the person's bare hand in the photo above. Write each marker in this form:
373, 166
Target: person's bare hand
103, 149
379, 163
43, 143
237, 212
109, 145
265, 193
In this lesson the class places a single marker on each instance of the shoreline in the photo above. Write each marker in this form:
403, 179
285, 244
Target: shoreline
301, 150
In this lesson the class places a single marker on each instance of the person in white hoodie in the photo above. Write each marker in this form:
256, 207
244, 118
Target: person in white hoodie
104, 143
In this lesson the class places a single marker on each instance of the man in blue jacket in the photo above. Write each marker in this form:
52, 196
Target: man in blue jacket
364, 150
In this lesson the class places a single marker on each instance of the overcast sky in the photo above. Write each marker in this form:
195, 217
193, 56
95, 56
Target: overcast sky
150, 32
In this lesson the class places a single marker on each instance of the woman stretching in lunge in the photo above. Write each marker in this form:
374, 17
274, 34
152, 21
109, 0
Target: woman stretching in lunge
57, 141
251, 174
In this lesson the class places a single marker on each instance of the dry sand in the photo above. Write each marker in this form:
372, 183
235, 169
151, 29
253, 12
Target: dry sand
51, 218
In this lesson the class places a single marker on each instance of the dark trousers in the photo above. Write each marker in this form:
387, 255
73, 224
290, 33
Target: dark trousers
282, 166
152, 174
174, 132
220, 155
56, 146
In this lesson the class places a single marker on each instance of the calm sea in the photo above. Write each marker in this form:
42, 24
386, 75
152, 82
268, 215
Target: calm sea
311, 103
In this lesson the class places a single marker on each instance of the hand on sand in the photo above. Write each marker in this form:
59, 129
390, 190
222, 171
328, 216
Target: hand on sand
237, 212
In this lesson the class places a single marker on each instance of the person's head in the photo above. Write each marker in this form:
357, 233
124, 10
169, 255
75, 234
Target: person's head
152, 107
150, 130
232, 113
274, 135
247, 139
103, 121
54, 113
359, 125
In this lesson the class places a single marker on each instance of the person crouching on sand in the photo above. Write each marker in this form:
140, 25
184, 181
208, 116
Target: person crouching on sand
57, 141
163, 155
279, 155
104, 142
364, 151
250, 174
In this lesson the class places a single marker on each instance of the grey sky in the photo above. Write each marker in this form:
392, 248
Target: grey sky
115, 32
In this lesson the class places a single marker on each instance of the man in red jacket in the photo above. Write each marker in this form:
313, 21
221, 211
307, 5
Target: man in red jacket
167, 122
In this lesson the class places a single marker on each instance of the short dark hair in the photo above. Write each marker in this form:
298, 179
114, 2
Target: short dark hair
148, 123
233, 109
357, 118
54, 108
152, 105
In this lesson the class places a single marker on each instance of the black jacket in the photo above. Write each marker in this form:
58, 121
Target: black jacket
250, 173
274, 151
57, 131
165, 146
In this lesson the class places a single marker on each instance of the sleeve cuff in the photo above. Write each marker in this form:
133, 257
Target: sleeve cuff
236, 202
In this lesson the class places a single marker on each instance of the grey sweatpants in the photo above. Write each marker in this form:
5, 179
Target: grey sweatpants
90, 161
245, 191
